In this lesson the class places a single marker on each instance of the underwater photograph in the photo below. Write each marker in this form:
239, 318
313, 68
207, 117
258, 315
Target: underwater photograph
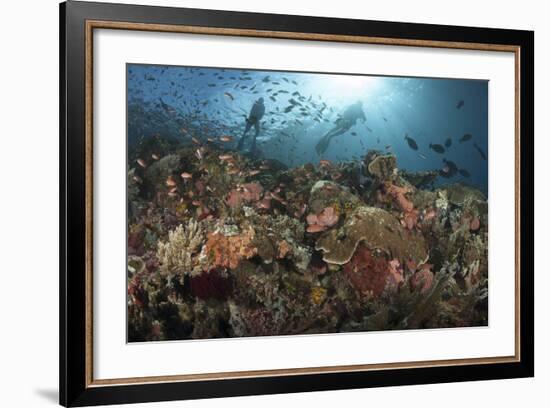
270, 203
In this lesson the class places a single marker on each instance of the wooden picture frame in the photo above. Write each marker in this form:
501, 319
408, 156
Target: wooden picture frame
78, 20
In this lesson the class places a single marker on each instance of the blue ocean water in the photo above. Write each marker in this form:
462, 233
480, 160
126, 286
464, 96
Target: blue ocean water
300, 108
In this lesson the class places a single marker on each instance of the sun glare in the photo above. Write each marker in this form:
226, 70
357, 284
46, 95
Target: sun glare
346, 86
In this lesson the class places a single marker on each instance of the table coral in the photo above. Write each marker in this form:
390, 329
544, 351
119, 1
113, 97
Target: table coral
377, 229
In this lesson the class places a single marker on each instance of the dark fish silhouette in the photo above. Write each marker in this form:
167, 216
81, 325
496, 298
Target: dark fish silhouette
411, 142
437, 148
448, 142
460, 104
465, 138
449, 169
464, 173
481, 152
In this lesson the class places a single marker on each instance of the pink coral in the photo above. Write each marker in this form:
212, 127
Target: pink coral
475, 224
264, 204
367, 273
314, 228
410, 219
395, 276
398, 194
326, 218
422, 280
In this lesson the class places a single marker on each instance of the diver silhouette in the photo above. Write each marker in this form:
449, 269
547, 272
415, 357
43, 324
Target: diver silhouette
343, 124
256, 113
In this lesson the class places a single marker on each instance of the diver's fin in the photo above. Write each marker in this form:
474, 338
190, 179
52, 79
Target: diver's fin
322, 146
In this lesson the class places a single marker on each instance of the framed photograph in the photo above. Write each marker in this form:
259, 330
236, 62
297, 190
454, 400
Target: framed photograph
256, 203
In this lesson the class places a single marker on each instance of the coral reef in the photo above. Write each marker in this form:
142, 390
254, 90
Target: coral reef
223, 244
378, 230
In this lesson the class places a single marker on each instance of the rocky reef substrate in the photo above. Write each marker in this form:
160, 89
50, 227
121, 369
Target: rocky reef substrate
222, 244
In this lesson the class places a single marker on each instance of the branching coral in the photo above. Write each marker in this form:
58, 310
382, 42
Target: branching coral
178, 255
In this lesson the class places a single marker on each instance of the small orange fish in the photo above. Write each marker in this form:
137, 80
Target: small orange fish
141, 162
325, 163
226, 138
199, 154
155, 157
233, 171
170, 182
225, 157
186, 175
254, 172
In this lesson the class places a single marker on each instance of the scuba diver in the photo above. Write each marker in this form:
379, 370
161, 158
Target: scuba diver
343, 124
256, 114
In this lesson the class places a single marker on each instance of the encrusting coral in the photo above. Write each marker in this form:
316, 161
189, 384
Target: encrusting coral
378, 230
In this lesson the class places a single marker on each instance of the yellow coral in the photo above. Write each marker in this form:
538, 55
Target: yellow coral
318, 294
181, 209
